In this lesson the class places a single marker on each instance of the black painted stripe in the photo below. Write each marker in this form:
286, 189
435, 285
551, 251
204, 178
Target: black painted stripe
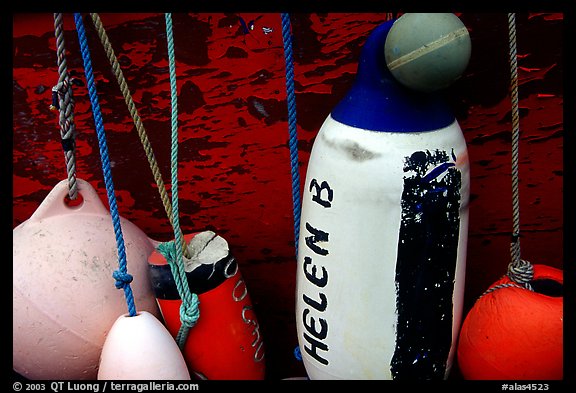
425, 266
202, 279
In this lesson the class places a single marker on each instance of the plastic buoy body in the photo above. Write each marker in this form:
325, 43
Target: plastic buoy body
379, 264
140, 348
64, 297
513, 333
383, 234
226, 342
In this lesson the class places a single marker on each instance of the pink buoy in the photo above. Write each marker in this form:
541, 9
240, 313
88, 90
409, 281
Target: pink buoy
64, 297
141, 348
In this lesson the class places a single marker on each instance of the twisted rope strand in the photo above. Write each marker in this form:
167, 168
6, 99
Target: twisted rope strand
292, 125
515, 137
66, 107
189, 312
122, 277
136, 118
519, 270
508, 285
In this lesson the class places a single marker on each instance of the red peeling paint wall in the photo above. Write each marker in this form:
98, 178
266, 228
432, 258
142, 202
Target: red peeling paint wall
234, 169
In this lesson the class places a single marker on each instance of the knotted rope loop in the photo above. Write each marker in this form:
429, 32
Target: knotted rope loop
189, 315
62, 100
521, 273
189, 309
58, 92
122, 279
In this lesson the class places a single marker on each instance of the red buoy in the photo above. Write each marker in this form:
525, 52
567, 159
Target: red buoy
226, 342
512, 333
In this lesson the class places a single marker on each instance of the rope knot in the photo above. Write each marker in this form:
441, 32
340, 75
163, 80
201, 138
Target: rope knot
189, 314
521, 273
61, 87
59, 93
55, 106
122, 279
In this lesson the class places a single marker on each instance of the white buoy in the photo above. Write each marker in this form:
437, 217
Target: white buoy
64, 297
383, 233
141, 348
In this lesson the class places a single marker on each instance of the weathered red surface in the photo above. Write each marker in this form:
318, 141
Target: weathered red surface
234, 169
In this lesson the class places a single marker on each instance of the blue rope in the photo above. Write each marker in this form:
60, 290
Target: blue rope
297, 353
292, 126
123, 279
189, 312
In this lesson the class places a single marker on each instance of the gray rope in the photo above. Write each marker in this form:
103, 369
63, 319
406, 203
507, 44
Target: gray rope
509, 285
65, 101
519, 270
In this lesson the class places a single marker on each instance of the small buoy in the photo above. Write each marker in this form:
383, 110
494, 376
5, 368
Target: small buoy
383, 232
140, 348
513, 333
64, 297
226, 342
427, 51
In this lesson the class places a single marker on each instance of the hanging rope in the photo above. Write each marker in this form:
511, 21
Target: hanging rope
137, 121
123, 279
520, 272
189, 312
63, 101
292, 125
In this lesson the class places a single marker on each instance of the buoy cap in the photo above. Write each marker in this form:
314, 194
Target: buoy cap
427, 51
378, 102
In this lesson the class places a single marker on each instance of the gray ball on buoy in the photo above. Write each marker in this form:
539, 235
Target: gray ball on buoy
427, 51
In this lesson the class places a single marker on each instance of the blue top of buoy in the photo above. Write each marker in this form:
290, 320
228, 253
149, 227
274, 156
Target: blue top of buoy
378, 102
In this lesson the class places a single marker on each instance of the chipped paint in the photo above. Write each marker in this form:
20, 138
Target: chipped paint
234, 164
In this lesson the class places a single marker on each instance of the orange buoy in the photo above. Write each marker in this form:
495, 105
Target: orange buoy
226, 342
64, 297
512, 333
140, 348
